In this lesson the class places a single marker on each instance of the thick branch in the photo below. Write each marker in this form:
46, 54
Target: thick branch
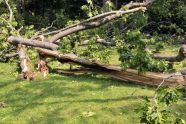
26, 72
94, 24
147, 78
180, 57
11, 55
105, 42
34, 43
129, 6
137, 4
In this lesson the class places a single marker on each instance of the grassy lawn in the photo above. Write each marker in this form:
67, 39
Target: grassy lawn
84, 99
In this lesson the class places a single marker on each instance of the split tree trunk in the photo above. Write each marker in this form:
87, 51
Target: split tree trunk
26, 72
148, 78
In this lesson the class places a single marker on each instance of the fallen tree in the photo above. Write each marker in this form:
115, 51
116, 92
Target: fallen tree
147, 78
47, 48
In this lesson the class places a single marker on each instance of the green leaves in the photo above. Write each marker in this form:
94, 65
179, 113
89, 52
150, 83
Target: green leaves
151, 113
168, 96
134, 53
98, 52
179, 121
109, 5
157, 110
90, 9
171, 14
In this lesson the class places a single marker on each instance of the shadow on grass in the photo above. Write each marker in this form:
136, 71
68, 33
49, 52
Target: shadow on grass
102, 100
7, 81
29, 95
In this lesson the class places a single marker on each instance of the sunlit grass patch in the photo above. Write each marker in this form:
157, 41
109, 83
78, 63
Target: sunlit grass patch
70, 99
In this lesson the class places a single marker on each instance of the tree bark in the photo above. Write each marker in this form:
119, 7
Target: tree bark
101, 16
26, 72
148, 78
42, 65
93, 23
177, 58
105, 42
35, 43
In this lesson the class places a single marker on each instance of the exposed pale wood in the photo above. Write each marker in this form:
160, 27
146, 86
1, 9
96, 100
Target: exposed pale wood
42, 65
137, 4
27, 73
148, 78
105, 42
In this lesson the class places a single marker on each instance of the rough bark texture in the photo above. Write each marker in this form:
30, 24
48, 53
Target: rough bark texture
42, 65
34, 43
148, 78
130, 5
137, 4
27, 73
105, 42
94, 23
99, 20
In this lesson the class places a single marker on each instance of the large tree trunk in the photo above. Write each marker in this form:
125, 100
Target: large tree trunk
26, 72
148, 78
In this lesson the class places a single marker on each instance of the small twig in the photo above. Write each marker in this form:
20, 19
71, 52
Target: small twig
177, 74
38, 33
8, 50
19, 30
133, 92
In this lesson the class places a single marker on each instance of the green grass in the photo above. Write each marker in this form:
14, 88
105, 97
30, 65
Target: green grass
83, 99
172, 51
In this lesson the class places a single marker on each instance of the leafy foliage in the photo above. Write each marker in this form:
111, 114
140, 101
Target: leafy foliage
170, 15
168, 96
128, 33
97, 52
90, 9
134, 53
157, 110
